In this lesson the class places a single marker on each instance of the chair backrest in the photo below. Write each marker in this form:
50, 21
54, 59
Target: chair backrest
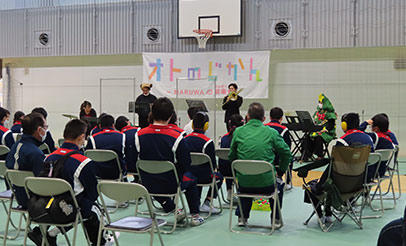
101, 155
43, 147
60, 142
3, 168
374, 158
48, 187
386, 154
44, 186
4, 150
17, 177
251, 167
222, 153
349, 167
200, 159
120, 191
331, 145
156, 167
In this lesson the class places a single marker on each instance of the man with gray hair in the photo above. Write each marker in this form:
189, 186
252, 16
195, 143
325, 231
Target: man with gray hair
255, 141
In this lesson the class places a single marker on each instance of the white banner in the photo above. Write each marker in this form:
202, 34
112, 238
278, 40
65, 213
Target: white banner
200, 74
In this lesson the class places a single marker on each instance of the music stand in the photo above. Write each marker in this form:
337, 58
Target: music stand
91, 120
70, 116
142, 107
200, 104
304, 116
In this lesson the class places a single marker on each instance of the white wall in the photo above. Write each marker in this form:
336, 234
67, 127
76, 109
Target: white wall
372, 86
353, 84
61, 90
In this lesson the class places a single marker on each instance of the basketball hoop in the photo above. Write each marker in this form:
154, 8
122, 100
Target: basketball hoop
202, 35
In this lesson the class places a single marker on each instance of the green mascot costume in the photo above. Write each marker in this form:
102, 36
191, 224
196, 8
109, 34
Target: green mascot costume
326, 117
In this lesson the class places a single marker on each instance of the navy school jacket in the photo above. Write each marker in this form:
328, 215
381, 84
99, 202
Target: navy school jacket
161, 143
26, 156
129, 150
79, 171
200, 143
108, 139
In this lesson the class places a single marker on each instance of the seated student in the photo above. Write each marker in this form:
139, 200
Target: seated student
392, 135
380, 138
6, 135
235, 121
276, 115
108, 139
48, 138
198, 142
191, 113
97, 128
172, 124
18, 116
124, 125
25, 154
352, 136
254, 141
159, 142
78, 170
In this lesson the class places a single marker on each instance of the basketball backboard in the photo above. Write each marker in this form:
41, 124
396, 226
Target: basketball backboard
221, 16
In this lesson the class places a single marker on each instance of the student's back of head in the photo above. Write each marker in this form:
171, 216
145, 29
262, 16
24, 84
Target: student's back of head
121, 122
235, 121
386, 116
256, 111
106, 121
200, 119
3, 114
31, 122
40, 110
381, 122
174, 118
192, 111
276, 113
351, 121
74, 129
162, 109
18, 116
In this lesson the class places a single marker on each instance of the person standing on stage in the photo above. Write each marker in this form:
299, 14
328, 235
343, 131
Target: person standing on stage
145, 97
231, 103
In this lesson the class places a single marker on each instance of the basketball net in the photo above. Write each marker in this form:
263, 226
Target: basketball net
202, 36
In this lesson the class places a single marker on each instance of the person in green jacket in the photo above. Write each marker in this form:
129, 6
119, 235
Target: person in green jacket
326, 117
255, 141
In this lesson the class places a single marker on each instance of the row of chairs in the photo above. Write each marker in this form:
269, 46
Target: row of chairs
117, 191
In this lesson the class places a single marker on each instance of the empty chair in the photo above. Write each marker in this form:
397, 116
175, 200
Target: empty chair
121, 192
